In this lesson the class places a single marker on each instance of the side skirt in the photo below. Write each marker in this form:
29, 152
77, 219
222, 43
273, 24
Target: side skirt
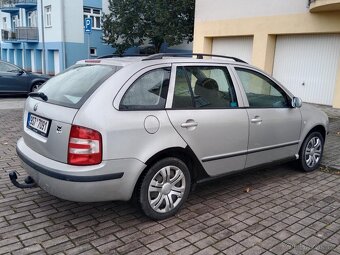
273, 163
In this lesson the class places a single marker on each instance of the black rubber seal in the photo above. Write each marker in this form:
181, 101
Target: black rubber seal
66, 177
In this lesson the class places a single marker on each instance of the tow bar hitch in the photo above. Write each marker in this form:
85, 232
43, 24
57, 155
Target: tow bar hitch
29, 182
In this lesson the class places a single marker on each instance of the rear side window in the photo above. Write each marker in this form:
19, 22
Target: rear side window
148, 92
4, 67
72, 87
203, 87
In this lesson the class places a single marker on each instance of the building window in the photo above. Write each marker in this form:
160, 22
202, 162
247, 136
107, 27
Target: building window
4, 23
48, 20
32, 19
95, 15
15, 21
93, 52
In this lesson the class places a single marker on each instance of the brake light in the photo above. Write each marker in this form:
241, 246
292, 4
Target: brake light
92, 61
84, 147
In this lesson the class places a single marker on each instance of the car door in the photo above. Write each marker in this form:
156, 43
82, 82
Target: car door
12, 79
206, 111
274, 125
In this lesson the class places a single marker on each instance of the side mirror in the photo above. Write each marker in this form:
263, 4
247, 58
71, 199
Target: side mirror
296, 102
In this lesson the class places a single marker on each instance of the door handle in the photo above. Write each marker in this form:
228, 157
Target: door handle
189, 124
256, 120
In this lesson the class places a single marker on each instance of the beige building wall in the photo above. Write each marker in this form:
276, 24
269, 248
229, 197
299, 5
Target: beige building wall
264, 20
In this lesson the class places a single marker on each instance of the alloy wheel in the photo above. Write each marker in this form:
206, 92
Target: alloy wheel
166, 189
313, 151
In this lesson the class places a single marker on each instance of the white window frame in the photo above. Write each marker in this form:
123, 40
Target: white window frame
15, 22
32, 19
89, 13
48, 16
95, 51
4, 23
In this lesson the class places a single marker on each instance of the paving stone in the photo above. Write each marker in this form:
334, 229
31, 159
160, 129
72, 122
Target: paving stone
256, 250
251, 241
240, 236
205, 242
158, 244
177, 245
191, 249
235, 249
269, 243
224, 244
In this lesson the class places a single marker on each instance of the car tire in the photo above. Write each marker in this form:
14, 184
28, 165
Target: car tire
36, 86
164, 188
311, 152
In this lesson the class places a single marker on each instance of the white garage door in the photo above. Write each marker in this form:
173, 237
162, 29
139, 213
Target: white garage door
240, 47
307, 65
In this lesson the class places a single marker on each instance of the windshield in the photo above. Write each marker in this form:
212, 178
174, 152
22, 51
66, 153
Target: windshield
72, 87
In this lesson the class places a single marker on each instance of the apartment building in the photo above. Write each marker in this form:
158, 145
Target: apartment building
48, 35
297, 41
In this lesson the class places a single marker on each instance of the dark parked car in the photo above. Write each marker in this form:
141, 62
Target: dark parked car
15, 80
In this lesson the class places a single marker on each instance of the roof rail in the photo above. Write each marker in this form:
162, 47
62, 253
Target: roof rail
198, 56
122, 55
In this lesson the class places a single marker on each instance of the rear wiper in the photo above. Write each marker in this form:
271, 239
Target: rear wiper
38, 94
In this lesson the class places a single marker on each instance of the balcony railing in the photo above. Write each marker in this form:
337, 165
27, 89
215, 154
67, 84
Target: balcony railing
21, 34
17, 3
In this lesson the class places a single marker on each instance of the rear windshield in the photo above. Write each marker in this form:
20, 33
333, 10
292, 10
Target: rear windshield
72, 87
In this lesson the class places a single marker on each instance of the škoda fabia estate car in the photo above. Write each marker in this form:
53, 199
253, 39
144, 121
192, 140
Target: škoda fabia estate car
151, 127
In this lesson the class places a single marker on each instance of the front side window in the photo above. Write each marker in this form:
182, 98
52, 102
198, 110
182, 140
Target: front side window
203, 87
48, 19
261, 91
148, 92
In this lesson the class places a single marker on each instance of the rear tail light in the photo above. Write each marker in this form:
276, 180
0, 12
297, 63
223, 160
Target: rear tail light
84, 147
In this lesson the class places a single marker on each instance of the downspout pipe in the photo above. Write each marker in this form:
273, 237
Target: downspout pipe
63, 34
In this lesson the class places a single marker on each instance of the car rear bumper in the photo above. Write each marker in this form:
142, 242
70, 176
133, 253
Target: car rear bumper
110, 180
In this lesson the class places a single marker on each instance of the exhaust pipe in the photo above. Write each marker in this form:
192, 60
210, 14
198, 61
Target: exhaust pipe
29, 182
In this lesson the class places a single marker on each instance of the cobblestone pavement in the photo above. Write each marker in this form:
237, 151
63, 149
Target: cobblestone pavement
331, 157
284, 211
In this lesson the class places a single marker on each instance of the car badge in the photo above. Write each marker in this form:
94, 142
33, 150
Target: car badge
35, 108
59, 131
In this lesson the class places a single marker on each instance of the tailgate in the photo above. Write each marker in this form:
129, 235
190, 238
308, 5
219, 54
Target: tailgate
47, 128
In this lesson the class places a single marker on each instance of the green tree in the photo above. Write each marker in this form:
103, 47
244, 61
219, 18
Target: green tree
131, 23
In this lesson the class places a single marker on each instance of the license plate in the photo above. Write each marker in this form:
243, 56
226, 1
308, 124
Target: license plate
38, 124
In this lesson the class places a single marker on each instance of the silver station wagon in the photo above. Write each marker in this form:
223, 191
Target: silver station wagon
149, 128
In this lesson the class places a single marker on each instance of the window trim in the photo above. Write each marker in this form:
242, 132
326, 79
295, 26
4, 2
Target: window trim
208, 64
93, 16
130, 79
144, 108
95, 51
48, 14
276, 84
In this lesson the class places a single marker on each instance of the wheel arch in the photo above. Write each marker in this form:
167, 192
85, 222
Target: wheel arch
318, 128
35, 81
185, 154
